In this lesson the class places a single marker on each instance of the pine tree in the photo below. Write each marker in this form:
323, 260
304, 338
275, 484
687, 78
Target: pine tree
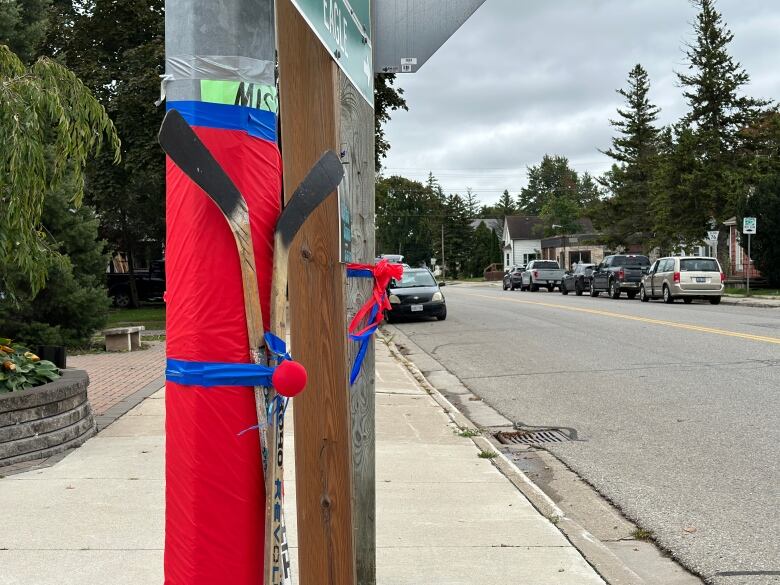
550, 179
627, 212
472, 203
505, 206
718, 113
458, 235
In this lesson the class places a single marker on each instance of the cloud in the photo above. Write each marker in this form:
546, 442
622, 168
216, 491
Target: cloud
524, 79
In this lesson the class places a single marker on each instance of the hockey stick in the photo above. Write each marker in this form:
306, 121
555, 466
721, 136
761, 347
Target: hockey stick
185, 148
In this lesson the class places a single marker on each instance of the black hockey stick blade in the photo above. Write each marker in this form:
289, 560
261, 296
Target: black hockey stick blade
180, 142
322, 180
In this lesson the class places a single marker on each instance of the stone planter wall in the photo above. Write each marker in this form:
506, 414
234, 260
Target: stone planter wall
46, 420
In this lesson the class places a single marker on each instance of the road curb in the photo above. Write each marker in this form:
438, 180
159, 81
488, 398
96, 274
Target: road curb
596, 553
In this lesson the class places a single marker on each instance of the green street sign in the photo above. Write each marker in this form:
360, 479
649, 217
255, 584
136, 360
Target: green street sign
345, 31
749, 225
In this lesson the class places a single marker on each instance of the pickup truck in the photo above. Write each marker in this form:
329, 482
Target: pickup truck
150, 284
541, 273
619, 273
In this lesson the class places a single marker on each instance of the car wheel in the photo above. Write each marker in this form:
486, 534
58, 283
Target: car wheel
122, 299
668, 298
443, 316
533, 287
593, 291
389, 317
643, 295
505, 286
564, 290
614, 290
578, 288
687, 300
550, 288
631, 295
715, 301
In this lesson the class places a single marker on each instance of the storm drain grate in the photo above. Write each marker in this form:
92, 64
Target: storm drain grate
532, 437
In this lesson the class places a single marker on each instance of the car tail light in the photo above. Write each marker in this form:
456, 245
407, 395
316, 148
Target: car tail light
677, 277
621, 274
536, 274
722, 277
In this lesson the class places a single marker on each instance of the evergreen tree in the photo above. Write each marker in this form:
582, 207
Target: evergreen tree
718, 113
472, 203
74, 303
505, 206
764, 205
550, 179
627, 211
485, 250
458, 236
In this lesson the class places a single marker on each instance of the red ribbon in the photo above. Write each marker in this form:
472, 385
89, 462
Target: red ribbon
383, 272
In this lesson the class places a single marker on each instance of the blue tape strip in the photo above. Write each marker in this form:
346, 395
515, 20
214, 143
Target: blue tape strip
217, 374
363, 340
359, 273
258, 123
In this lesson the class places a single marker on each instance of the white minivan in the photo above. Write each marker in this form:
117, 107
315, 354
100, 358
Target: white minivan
684, 277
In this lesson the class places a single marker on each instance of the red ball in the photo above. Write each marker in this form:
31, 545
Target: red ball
289, 378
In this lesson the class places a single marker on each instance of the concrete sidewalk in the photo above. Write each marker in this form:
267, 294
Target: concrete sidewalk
444, 515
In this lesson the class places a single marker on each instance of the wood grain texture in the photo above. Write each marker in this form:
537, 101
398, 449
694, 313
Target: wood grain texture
357, 140
309, 108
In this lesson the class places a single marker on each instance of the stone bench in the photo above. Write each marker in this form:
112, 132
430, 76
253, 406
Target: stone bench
123, 338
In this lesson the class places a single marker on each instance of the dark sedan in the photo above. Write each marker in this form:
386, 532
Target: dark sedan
513, 278
577, 280
416, 294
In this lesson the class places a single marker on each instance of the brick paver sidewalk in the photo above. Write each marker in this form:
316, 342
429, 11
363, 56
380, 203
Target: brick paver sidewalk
115, 376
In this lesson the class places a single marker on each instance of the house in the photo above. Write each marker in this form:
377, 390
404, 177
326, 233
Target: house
570, 249
739, 261
522, 240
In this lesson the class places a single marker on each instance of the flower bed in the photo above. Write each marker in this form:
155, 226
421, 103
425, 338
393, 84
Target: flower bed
39, 422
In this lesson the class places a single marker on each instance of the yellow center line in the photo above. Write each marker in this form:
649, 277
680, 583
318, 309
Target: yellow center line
700, 328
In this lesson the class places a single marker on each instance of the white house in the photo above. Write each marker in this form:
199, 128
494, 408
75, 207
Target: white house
522, 241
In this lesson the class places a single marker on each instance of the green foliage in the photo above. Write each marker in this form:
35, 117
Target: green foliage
74, 303
23, 25
408, 219
485, 251
20, 368
556, 193
387, 98
50, 125
458, 236
505, 206
764, 205
627, 212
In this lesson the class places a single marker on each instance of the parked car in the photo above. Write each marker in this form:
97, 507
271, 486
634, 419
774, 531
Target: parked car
685, 277
619, 273
541, 273
513, 278
391, 258
416, 294
577, 280
150, 284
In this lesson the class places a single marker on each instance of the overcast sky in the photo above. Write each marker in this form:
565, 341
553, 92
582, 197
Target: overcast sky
522, 78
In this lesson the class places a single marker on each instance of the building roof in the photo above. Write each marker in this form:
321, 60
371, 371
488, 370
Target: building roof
524, 227
490, 223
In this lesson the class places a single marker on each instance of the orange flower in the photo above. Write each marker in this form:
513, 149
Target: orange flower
6, 349
31, 356
9, 365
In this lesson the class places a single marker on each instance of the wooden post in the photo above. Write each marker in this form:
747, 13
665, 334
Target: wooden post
319, 110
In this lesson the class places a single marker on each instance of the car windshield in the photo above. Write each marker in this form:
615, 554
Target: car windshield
699, 265
630, 261
414, 278
545, 265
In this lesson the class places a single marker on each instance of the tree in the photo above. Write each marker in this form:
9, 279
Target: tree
627, 212
387, 98
408, 219
458, 235
718, 112
505, 205
23, 26
485, 250
472, 203
764, 205
74, 303
50, 126
123, 70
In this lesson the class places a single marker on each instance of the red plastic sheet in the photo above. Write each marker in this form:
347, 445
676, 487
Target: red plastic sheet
215, 494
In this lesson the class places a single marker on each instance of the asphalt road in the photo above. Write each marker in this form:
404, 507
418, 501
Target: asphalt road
676, 406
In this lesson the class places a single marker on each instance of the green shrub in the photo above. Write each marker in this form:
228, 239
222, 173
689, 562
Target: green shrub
20, 368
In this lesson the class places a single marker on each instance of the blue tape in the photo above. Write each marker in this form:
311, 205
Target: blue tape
364, 340
258, 123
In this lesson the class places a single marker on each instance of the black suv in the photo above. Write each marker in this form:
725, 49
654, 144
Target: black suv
619, 273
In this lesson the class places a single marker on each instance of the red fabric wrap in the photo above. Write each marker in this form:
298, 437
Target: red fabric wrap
383, 272
215, 494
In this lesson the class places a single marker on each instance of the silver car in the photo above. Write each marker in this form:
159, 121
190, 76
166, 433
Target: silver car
684, 277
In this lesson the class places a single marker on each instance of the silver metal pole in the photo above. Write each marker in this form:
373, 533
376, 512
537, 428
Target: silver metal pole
748, 267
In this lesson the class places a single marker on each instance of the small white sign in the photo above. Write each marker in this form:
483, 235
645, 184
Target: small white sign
409, 61
749, 225
406, 68
712, 235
